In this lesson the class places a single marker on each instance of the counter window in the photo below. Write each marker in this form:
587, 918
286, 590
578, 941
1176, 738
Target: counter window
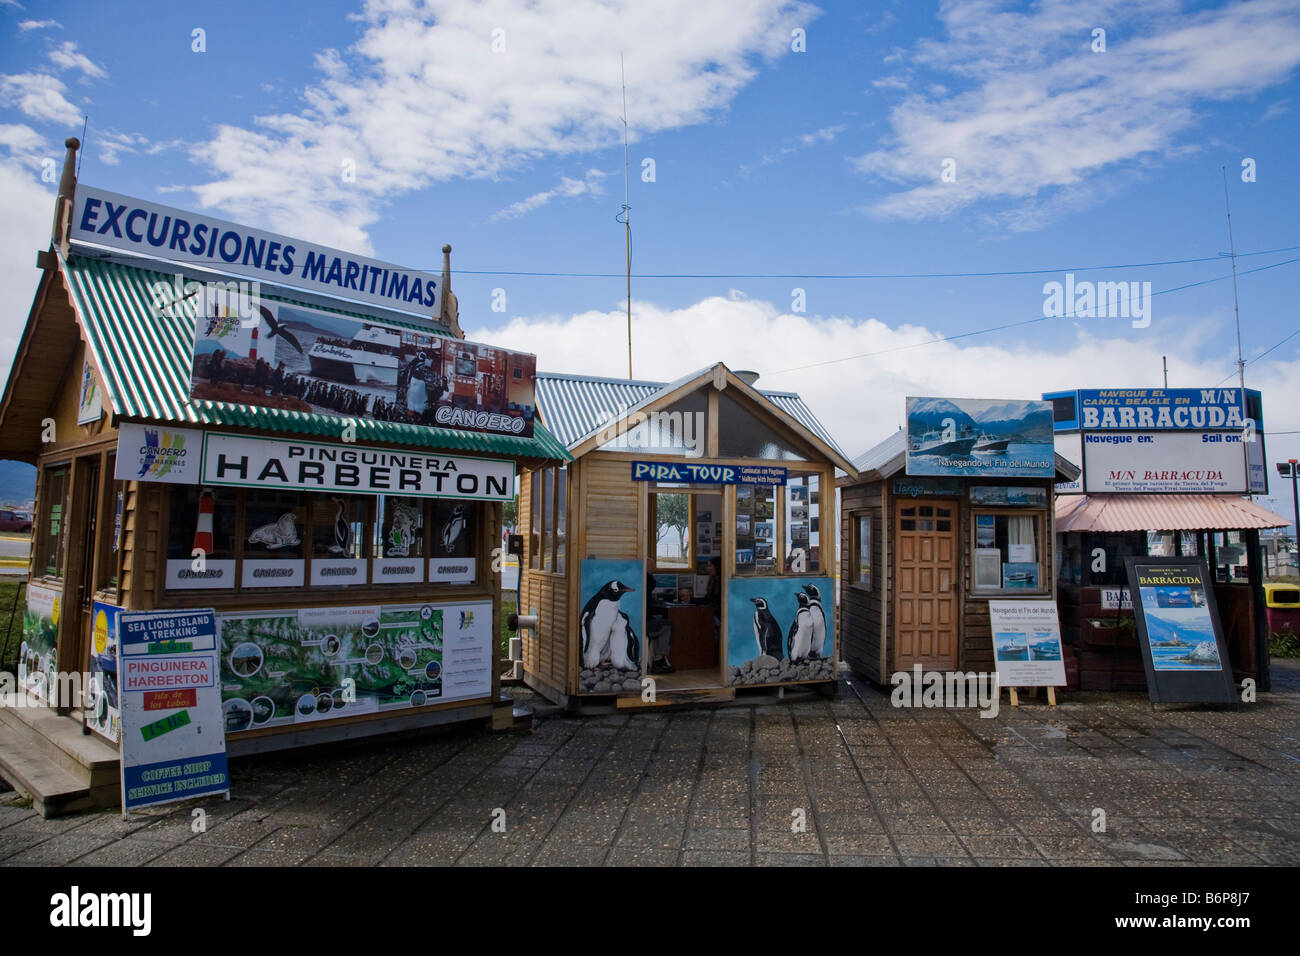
50, 533
1007, 555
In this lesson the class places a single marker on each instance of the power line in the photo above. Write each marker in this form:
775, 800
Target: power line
1260, 356
1012, 325
863, 275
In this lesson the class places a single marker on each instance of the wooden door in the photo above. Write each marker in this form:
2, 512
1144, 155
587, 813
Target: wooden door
925, 596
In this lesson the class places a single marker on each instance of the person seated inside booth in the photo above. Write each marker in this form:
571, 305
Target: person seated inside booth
713, 597
658, 629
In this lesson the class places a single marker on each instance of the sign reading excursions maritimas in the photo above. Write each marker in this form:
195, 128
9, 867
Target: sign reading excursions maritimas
161, 232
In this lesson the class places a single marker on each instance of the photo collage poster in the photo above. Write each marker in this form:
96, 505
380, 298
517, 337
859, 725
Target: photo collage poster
802, 522
755, 529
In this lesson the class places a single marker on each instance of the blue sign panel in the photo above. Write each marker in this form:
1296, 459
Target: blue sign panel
690, 473
982, 438
1167, 409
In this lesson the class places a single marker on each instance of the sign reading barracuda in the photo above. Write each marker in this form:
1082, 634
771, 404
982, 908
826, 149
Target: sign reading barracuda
1181, 409
161, 232
707, 474
250, 461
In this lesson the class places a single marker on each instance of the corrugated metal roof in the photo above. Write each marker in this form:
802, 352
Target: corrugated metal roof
1103, 513
876, 458
574, 406
146, 356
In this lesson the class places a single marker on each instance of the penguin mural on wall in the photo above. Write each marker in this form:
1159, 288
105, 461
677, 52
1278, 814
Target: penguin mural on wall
607, 632
818, 619
801, 630
453, 528
342, 531
766, 631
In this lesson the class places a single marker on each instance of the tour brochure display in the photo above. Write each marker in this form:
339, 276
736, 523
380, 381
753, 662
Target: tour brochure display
1027, 643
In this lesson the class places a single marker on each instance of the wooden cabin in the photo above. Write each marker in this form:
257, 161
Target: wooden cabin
382, 574
918, 569
672, 486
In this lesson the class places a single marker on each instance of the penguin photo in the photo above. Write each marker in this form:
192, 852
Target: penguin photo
607, 632
766, 631
453, 528
342, 531
818, 619
801, 630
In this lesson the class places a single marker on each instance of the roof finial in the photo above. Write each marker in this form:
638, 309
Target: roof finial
67, 190
450, 316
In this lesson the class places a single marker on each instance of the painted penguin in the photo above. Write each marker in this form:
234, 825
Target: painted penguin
818, 619
342, 531
801, 630
766, 631
452, 529
606, 631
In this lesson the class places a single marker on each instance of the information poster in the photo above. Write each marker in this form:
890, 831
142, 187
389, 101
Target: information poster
103, 706
172, 743
1183, 647
311, 664
38, 656
1027, 643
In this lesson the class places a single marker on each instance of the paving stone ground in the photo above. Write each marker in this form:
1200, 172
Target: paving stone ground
843, 781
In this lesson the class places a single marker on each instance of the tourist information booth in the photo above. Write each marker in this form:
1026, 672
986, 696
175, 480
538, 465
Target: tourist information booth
295, 437
695, 525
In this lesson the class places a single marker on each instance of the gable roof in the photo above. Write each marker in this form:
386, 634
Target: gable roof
144, 357
576, 406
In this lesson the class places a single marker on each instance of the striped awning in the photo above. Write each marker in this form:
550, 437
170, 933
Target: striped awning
1114, 513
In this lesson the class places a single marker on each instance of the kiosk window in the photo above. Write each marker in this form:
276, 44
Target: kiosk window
803, 524
862, 550
1007, 554
673, 521
50, 533
548, 505
535, 526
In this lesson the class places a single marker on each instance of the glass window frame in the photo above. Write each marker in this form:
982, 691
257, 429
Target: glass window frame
859, 551
1040, 552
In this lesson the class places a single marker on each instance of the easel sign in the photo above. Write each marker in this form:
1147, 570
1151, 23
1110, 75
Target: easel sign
1183, 647
173, 742
1027, 646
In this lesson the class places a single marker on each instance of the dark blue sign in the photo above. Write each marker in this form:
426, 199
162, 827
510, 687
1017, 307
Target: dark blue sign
1162, 409
693, 473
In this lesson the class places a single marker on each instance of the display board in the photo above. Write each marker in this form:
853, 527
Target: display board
158, 453
90, 403
780, 629
308, 360
304, 665
172, 744
1184, 649
1027, 643
1164, 461
103, 704
38, 658
979, 437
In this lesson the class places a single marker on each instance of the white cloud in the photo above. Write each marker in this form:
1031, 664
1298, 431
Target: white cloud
39, 25
422, 98
794, 144
1276, 110
26, 209
590, 184
860, 400
67, 57
39, 96
1039, 112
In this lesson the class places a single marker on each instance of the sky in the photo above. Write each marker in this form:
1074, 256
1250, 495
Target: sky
860, 201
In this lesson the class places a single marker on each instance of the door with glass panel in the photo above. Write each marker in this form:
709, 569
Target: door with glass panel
925, 596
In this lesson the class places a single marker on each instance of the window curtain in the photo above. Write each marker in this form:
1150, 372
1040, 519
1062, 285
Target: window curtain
1020, 530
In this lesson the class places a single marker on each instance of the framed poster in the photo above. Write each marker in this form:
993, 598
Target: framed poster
1027, 643
1183, 646
988, 568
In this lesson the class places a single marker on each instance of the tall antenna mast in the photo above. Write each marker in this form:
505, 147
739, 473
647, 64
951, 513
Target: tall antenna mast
1232, 251
625, 217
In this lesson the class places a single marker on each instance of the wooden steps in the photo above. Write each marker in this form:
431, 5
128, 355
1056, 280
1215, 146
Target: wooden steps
47, 757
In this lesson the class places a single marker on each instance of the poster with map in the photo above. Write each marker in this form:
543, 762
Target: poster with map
311, 664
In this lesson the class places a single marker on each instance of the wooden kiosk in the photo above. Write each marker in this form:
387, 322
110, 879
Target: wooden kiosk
342, 550
919, 567
667, 481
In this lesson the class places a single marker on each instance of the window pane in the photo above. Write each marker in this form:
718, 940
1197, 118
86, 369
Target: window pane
679, 429
402, 527
561, 515
338, 526
185, 509
273, 524
802, 531
864, 551
548, 518
673, 534
535, 513
50, 533
1007, 553
455, 524
742, 435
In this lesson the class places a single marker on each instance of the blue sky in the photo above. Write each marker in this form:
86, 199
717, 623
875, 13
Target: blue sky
767, 160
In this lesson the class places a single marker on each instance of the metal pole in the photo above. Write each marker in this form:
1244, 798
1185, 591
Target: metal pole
1232, 251
1295, 503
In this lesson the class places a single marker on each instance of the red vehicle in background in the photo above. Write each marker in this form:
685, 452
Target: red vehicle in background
15, 521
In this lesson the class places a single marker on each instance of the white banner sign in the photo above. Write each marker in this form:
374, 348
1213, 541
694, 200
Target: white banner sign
311, 466
1027, 643
186, 238
1184, 462
1116, 599
451, 570
181, 574
158, 453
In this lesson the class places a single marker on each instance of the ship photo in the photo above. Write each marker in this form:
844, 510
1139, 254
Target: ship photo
370, 358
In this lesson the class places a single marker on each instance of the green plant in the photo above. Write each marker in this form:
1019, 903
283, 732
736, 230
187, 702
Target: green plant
1284, 644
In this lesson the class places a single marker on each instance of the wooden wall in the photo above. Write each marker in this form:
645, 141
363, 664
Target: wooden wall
862, 618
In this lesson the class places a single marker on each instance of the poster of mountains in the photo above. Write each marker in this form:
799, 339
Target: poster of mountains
996, 438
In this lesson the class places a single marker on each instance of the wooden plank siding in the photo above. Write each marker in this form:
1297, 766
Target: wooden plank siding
861, 619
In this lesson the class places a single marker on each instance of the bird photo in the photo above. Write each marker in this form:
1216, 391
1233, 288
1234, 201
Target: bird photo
606, 630
453, 529
767, 633
277, 329
818, 619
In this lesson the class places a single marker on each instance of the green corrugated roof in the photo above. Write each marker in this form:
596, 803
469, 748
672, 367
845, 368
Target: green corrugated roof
146, 357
